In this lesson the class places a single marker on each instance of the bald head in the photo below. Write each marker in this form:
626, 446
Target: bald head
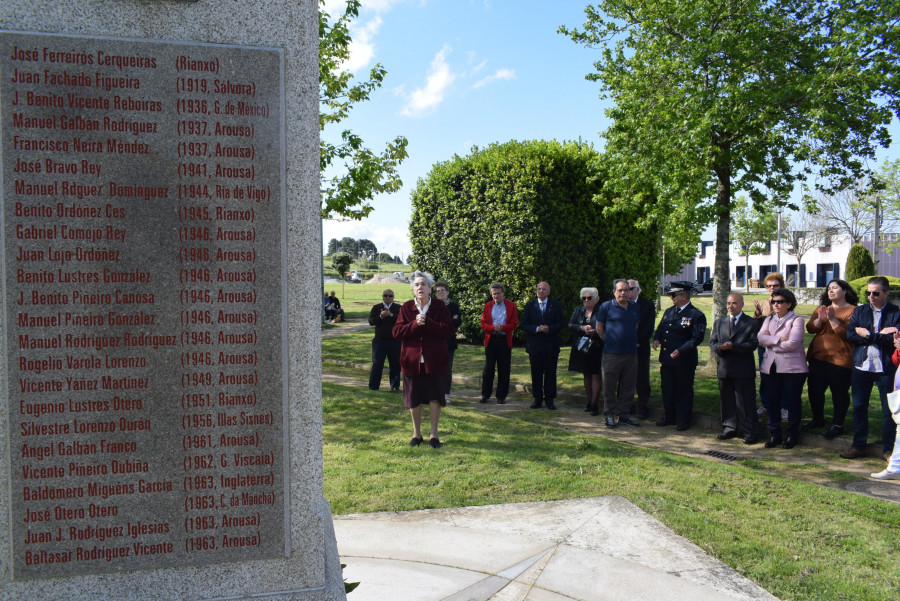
735, 304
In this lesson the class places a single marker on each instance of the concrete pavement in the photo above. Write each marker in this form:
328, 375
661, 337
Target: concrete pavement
595, 549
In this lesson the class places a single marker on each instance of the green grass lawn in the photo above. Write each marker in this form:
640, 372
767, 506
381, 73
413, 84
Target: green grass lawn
469, 359
800, 541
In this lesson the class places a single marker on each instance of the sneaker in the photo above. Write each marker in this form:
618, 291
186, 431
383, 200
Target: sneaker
761, 411
886, 475
784, 415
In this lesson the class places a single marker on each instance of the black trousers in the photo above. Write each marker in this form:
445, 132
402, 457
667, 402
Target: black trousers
497, 355
677, 384
543, 373
822, 376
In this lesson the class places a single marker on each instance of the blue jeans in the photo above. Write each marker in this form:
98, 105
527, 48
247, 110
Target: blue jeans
862, 383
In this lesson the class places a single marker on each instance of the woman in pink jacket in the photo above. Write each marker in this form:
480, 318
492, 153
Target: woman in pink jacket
783, 365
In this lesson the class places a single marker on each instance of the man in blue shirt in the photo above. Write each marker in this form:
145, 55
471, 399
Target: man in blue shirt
617, 324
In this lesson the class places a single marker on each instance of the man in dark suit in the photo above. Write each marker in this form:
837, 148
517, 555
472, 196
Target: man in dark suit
646, 323
733, 339
383, 316
871, 331
542, 321
677, 337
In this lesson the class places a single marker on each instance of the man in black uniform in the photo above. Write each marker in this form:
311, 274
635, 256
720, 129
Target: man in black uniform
646, 323
383, 316
679, 334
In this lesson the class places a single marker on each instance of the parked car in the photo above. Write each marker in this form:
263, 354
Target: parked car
354, 277
707, 286
692, 286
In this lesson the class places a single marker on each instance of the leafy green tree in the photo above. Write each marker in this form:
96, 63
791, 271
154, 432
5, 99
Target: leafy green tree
334, 245
717, 97
522, 212
340, 262
352, 174
350, 246
752, 230
859, 263
367, 248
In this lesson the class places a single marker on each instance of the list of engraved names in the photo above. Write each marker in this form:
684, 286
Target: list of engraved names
143, 213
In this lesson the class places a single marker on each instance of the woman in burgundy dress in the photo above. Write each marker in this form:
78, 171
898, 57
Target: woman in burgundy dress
423, 327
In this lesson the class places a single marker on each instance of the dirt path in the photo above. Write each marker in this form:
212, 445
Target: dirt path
814, 460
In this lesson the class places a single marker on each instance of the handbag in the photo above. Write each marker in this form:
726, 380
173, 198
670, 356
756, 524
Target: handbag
584, 345
893, 400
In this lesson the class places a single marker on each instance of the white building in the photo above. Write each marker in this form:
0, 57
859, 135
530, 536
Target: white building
820, 264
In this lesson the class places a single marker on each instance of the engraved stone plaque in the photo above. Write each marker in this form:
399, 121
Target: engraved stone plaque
143, 287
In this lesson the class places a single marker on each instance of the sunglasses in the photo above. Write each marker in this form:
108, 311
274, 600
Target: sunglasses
779, 302
388, 295
584, 298
873, 293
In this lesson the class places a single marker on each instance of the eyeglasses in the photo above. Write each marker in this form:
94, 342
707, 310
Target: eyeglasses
388, 295
778, 301
584, 298
873, 293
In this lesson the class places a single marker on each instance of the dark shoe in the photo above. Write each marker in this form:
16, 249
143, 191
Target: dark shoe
682, 427
373, 388
662, 423
790, 443
416, 441
773, 442
395, 389
644, 414
610, 421
551, 405
750, 439
853, 453
483, 400
833, 432
813, 423
435, 443
727, 434
595, 410
587, 407
537, 405
629, 420
501, 401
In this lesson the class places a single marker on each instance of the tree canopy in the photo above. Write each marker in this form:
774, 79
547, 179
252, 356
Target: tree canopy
522, 212
352, 174
718, 97
752, 230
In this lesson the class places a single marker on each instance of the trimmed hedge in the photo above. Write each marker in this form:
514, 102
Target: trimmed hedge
522, 212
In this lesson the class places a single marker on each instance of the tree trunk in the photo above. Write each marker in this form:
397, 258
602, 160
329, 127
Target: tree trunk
721, 277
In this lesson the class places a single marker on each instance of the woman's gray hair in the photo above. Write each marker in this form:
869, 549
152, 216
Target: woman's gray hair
421, 274
594, 292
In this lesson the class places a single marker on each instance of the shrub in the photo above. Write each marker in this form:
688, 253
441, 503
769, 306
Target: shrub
859, 263
522, 212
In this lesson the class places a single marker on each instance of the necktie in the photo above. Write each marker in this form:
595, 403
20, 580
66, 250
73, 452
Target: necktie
542, 308
734, 322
